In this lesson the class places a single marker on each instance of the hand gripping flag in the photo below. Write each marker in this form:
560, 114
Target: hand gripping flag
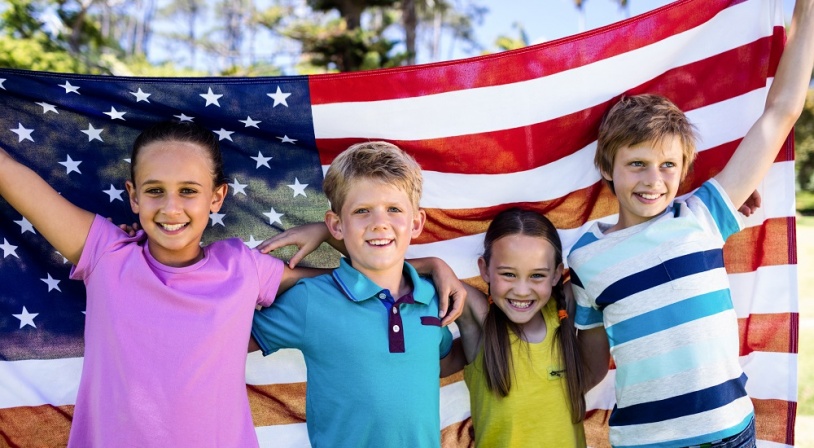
491, 132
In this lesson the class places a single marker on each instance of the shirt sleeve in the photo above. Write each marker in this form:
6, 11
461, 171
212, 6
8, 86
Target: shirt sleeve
282, 325
270, 273
103, 237
446, 342
587, 314
712, 206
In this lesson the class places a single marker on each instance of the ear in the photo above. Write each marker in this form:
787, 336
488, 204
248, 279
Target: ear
557, 274
218, 197
484, 269
334, 224
418, 223
606, 176
131, 193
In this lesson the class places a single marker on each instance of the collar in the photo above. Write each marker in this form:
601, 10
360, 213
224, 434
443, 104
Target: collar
357, 287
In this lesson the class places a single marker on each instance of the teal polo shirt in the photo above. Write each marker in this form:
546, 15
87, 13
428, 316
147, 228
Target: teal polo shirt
372, 360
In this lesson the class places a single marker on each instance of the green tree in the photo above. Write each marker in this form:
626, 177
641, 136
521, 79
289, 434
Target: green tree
804, 145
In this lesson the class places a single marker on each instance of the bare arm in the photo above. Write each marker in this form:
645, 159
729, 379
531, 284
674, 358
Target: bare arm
758, 149
454, 362
63, 224
471, 322
595, 351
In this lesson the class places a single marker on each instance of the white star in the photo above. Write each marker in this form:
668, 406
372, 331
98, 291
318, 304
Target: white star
69, 88
279, 97
22, 133
183, 117
93, 134
299, 189
211, 98
48, 108
26, 318
262, 160
223, 134
64, 260
25, 226
273, 216
71, 165
115, 115
252, 243
8, 249
2, 80
141, 96
114, 193
248, 122
286, 139
52, 283
237, 187
217, 218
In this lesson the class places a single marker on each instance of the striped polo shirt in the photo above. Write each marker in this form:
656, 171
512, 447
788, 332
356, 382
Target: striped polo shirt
661, 291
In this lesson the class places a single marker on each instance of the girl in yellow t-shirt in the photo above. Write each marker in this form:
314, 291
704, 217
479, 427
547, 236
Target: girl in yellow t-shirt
523, 371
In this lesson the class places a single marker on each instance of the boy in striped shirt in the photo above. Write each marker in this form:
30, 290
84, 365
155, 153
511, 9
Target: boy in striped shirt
652, 290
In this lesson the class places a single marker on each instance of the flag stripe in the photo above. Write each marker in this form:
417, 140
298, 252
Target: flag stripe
521, 65
466, 154
537, 100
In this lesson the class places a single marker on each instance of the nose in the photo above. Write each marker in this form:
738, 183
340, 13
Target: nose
522, 289
652, 176
380, 220
172, 204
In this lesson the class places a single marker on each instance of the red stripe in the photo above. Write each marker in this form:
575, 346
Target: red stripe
767, 333
519, 65
723, 76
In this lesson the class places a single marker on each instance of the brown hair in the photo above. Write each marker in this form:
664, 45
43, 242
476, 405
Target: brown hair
183, 131
372, 160
639, 119
497, 362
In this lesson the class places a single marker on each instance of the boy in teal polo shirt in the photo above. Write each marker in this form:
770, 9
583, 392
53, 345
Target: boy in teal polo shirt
369, 331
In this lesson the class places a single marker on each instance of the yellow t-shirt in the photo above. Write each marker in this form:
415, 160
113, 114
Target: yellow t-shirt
536, 413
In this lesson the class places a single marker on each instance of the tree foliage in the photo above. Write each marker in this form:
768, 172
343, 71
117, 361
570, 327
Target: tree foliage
804, 145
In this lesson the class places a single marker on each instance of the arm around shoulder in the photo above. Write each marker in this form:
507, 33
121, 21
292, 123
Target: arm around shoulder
63, 224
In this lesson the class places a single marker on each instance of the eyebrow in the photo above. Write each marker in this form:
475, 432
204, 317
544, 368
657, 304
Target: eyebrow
185, 182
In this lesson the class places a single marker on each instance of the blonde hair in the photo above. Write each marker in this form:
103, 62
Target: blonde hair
639, 119
376, 160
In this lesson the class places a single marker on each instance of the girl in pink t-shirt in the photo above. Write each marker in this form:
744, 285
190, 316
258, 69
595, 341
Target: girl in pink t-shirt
168, 320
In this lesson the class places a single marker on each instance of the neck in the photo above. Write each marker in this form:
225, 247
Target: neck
392, 279
535, 330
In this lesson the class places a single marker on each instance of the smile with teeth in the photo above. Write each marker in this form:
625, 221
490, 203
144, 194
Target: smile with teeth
650, 196
521, 304
171, 227
379, 242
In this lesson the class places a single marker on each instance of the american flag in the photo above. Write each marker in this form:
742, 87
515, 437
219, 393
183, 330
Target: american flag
515, 128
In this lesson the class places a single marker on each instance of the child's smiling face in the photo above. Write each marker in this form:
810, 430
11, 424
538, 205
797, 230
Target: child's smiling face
173, 193
646, 178
521, 273
377, 222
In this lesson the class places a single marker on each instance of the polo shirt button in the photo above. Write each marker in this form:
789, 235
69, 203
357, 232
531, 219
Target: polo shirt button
395, 328
382, 295
395, 310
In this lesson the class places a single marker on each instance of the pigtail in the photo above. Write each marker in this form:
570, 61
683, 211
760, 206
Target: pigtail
497, 352
566, 334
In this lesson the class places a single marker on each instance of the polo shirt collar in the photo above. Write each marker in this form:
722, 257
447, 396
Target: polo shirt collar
358, 287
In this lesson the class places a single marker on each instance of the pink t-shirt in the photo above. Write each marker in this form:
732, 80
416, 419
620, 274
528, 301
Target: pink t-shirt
165, 348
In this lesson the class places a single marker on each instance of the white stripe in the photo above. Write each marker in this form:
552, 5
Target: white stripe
717, 123
36, 382
454, 403
768, 444
519, 104
294, 435
603, 395
769, 290
283, 366
772, 376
